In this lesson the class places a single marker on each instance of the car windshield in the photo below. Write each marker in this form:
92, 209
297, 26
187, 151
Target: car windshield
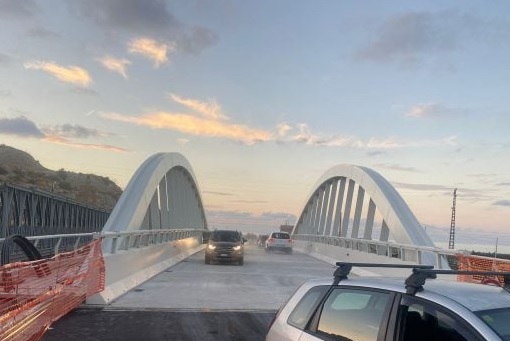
225, 236
498, 320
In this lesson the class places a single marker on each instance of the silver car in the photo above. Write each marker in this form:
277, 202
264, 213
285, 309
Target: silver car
378, 308
279, 241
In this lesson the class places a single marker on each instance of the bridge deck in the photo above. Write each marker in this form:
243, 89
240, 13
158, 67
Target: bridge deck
195, 301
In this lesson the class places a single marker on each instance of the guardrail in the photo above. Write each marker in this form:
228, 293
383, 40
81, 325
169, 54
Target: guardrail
119, 240
144, 238
443, 258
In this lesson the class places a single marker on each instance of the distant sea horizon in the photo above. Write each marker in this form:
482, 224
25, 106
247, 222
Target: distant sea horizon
501, 249
471, 240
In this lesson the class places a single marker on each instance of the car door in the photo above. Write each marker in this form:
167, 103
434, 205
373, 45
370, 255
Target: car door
291, 320
351, 313
422, 320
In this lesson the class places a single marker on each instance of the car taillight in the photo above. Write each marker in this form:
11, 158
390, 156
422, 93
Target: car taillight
270, 240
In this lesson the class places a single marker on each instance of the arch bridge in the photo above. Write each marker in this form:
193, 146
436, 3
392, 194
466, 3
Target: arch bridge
351, 213
342, 209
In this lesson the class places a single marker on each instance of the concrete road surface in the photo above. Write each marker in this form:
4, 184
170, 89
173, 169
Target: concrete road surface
195, 301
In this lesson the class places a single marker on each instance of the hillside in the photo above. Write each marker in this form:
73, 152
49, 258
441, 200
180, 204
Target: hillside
20, 168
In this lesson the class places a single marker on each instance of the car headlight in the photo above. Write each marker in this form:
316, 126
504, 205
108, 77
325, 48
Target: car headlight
237, 248
211, 247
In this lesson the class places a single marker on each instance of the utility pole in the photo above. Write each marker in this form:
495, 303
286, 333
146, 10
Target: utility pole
451, 242
496, 252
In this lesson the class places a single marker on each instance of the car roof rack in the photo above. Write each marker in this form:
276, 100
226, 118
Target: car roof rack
415, 282
420, 273
344, 268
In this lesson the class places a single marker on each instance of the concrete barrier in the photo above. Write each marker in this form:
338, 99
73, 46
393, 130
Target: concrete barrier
127, 269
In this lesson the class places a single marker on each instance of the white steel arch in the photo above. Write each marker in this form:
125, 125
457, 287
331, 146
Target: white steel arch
333, 195
162, 194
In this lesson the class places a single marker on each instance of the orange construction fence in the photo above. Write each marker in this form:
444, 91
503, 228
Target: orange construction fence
479, 263
35, 294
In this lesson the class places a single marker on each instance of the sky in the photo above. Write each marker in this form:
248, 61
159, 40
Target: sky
262, 97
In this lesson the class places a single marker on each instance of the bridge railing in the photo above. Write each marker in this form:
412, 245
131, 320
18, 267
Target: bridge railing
143, 238
443, 258
119, 240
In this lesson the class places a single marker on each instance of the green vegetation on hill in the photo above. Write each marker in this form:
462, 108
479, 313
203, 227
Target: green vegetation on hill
20, 168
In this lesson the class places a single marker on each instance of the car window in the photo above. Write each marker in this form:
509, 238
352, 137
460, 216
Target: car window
279, 235
422, 321
498, 320
351, 314
306, 306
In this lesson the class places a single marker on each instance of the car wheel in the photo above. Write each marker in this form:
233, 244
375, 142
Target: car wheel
241, 261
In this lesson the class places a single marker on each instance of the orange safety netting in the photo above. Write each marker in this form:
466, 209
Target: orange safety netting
479, 263
35, 294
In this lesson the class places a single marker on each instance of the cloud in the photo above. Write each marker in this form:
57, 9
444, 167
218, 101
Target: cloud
115, 64
151, 49
282, 129
217, 193
19, 126
74, 131
182, 141
305, 136
503, 184
501, 203
209, 109
398, 168
5, 93
66, 142
375, 152
192, 125
23, 127
195, 39
71, 74
133, 16
405, 37
17, 9
248, 222
151, 18
423, 187
4, 59
207, 120
83, 91
414, 37
41, 32
484, 178
250, 201
464, 194
432, 110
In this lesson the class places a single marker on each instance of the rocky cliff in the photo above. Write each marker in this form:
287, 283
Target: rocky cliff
20, 168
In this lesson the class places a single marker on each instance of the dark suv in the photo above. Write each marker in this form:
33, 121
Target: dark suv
225, 245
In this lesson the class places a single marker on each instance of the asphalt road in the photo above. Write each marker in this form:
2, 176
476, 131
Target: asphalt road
195, 301
108, 325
